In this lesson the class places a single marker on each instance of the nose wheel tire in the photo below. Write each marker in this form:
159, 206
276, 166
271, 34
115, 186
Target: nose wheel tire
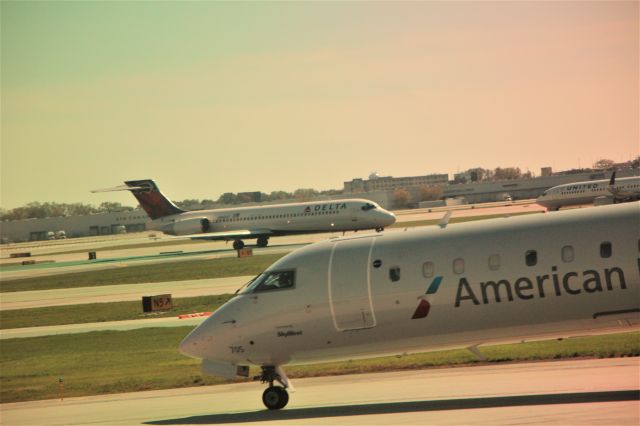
275, 397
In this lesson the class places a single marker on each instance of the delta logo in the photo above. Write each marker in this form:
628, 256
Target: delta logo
424, 306
326, 207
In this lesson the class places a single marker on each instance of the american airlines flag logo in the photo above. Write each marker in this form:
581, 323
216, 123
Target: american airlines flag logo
424, 306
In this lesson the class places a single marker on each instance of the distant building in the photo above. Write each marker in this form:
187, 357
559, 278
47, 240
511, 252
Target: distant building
389, 183
546, 171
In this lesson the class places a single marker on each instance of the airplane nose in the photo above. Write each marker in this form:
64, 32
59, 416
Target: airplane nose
192, 345
390, 219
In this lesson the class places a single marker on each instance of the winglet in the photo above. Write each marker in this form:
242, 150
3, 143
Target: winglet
612, 181
445, 219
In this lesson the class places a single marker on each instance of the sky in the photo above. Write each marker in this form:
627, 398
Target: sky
214, 97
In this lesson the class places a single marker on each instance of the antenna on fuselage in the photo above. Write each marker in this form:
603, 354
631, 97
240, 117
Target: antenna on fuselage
445, 219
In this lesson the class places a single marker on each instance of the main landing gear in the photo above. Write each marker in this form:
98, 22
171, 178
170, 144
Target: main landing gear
262, 241
274, 397
379, 229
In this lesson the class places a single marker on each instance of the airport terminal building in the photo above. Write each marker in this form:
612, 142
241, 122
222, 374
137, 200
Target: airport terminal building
74, 226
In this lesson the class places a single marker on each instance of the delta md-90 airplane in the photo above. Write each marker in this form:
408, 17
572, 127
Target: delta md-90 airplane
260, 222
464, 285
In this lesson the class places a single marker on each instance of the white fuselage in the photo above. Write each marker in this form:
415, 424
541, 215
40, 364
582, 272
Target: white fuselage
586, 192
432, 288
281, 219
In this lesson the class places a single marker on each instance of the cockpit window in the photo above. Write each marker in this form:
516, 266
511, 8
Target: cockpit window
243, 289
368, 207
270, 281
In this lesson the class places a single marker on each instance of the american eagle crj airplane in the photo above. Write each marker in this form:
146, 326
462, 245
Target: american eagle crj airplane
459, 286
598, 192
259, 222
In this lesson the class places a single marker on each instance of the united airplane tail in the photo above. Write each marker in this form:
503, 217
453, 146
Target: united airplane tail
151, 199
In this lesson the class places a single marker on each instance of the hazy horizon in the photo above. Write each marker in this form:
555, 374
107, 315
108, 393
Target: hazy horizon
214, 97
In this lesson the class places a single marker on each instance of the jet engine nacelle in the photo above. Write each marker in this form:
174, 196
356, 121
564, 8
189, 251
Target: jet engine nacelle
196, 225
603, 200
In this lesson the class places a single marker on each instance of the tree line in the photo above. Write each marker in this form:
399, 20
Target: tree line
38, 210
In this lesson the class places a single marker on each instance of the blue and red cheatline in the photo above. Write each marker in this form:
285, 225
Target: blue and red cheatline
424, 306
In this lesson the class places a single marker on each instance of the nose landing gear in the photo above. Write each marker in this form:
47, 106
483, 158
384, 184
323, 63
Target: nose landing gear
274, 397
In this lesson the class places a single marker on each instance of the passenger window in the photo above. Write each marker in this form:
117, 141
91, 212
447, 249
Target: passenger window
494, 262
274, 281
428, 269
394, 273
605, 249
458, 266
531, 257
567, 254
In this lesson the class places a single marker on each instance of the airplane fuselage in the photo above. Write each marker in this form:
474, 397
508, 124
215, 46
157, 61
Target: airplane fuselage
282, 219
400, 292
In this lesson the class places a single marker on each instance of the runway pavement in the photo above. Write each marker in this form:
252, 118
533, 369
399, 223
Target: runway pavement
577, 392
120, 260
119, 293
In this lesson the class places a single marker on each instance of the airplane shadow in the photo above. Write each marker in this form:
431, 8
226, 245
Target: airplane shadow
403, 407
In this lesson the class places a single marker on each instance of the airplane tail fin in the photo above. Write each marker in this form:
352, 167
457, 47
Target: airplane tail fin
613, 189
149, 196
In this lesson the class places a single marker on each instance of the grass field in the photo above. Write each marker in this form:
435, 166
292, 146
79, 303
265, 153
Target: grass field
101, 312
157, 272
111, 361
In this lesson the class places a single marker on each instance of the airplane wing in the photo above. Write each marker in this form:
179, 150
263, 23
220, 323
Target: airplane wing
230, 235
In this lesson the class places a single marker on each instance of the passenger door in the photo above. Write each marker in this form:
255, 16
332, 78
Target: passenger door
349, 284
